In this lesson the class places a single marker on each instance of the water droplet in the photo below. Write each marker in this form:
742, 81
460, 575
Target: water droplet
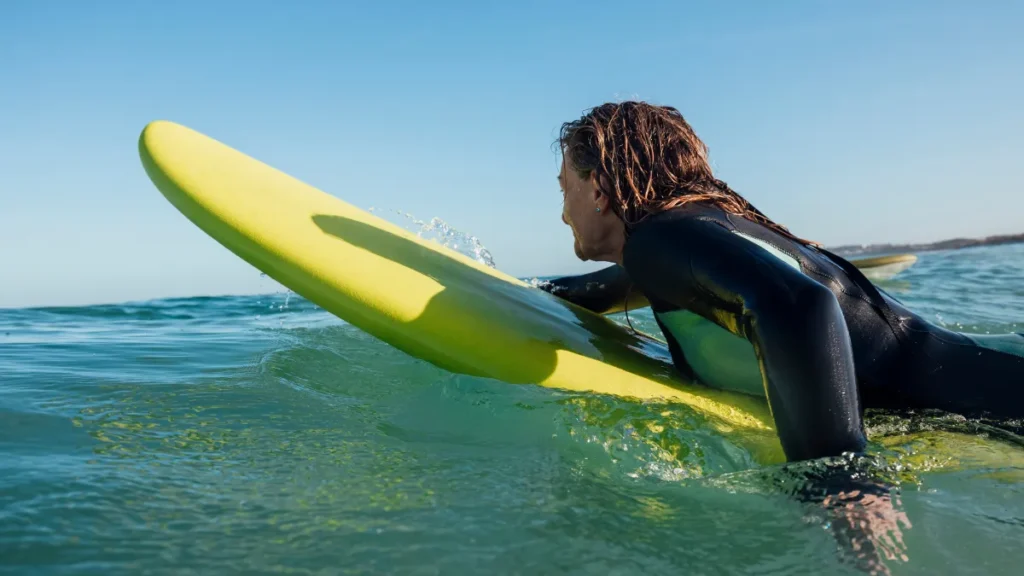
441, 232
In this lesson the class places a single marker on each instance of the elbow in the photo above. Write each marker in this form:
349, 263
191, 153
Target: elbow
820, 317
818, 306
812, 320
803, 310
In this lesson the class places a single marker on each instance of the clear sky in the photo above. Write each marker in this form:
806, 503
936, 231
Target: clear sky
847, 121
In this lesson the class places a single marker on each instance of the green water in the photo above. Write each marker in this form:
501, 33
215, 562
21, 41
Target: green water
260, 435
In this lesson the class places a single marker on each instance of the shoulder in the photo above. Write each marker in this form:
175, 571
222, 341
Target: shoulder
702, 251
667, 253
676, 233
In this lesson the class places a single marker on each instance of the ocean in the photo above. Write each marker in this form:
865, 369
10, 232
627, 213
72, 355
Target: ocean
261, 435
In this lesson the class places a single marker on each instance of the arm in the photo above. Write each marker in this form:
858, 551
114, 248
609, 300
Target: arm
606, 291
794, 323
802, 345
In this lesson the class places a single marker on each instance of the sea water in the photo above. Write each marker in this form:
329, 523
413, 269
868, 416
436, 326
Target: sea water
261, 435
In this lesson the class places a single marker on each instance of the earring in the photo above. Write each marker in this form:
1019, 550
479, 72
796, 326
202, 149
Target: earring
598, 209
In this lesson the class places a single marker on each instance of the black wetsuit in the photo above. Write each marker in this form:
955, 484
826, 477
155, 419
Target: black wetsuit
827, 342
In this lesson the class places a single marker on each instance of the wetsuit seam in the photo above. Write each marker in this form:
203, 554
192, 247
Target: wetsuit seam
838, 285
880, 307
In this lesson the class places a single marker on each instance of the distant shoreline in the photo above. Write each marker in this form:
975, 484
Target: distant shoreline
952, 244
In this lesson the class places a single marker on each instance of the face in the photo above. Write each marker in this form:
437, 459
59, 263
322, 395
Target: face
596, 229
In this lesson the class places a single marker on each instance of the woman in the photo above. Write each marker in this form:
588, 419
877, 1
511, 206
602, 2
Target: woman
639, 192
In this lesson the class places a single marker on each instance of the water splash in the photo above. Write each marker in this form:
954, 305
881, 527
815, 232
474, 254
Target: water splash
540, 283
668, 442
444, 234
436, 230
277, 289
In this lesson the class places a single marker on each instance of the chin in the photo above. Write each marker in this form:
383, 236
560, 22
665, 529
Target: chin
579, 252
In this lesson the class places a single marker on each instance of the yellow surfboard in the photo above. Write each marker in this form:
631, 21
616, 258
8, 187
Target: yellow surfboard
884, 267
421, 297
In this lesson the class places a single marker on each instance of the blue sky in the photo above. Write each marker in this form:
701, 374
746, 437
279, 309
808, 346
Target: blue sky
847, 121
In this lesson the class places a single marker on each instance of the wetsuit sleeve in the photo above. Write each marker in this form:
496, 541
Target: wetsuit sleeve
605, 291
794, 323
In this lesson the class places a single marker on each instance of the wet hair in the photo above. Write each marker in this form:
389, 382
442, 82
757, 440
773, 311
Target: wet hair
648, 159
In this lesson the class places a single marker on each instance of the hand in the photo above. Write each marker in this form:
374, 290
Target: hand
870, 525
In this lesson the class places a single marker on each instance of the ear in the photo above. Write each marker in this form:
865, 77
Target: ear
601, 200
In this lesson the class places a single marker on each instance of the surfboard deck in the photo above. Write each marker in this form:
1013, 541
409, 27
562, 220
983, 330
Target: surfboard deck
429, 301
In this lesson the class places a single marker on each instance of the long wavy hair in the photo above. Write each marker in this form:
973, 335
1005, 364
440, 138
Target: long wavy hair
648, 159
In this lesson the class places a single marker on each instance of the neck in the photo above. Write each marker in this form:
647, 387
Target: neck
616, 241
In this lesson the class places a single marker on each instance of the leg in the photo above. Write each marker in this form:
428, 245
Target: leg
965, 374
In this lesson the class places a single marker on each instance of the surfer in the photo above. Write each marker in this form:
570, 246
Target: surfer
638, 192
